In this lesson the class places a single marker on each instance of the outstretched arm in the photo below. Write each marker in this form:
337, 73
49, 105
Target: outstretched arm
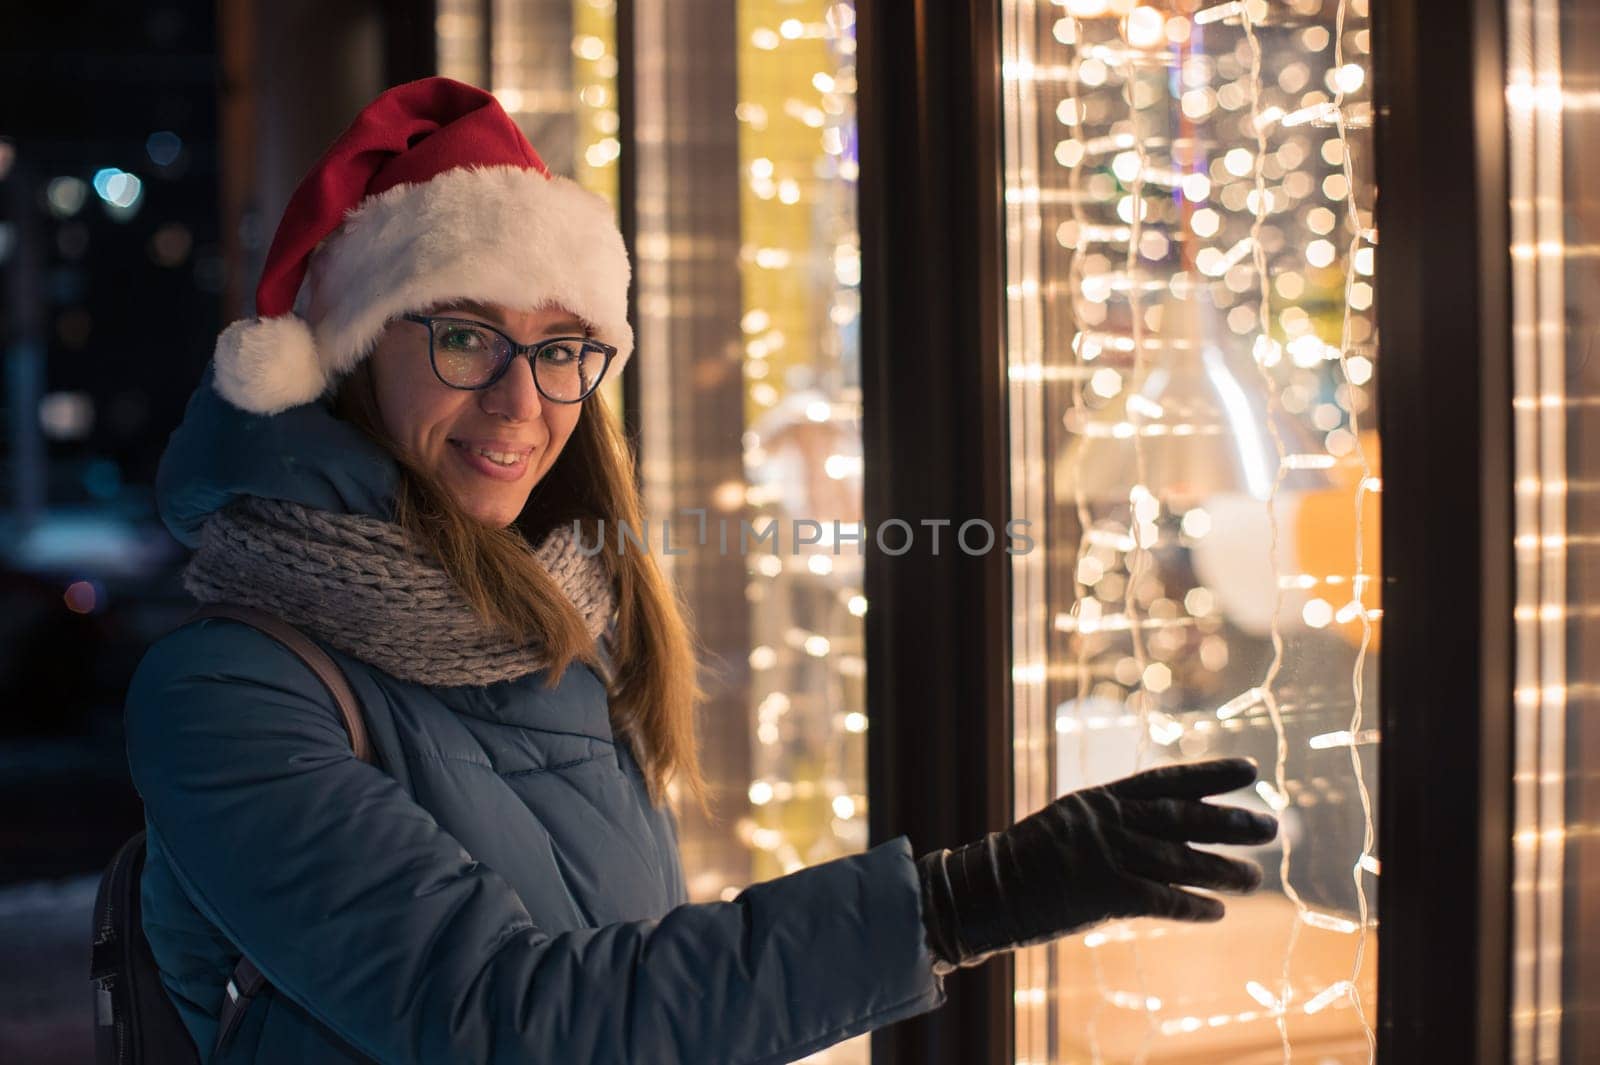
359, 907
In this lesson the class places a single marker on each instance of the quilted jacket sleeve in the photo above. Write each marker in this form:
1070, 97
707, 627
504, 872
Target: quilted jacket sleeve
356, 905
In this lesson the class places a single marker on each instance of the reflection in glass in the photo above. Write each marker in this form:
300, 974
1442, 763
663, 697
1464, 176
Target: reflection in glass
1553, 68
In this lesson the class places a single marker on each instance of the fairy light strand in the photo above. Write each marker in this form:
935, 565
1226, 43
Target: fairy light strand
1359, 584
1140, 494
1268, 699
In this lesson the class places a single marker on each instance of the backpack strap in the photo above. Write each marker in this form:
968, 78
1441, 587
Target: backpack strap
247, 980
316, 658
243, 986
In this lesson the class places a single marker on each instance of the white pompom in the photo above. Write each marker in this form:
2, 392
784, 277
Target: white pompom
266, 365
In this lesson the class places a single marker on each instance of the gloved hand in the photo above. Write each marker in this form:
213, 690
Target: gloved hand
1117, 850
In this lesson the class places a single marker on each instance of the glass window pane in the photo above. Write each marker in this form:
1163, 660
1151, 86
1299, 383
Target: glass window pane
1193, 364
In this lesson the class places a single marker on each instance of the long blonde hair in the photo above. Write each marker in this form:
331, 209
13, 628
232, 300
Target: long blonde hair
654, 691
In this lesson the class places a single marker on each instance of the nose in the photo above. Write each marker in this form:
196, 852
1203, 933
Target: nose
514, 397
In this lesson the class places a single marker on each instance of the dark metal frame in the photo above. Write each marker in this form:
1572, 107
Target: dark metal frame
1445, 416
628, 213
408, 41
933, 386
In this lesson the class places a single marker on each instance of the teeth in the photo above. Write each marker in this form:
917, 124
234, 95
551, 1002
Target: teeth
501, 458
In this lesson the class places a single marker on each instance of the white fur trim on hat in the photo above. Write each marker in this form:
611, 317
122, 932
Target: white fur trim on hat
498, 234
265, 365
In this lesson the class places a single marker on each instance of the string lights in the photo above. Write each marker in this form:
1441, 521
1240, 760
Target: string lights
1191, 346
594, 62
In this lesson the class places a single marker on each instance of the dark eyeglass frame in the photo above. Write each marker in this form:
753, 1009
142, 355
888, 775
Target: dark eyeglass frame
531, 350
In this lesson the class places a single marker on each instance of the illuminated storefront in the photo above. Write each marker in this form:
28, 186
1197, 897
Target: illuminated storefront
1116, 270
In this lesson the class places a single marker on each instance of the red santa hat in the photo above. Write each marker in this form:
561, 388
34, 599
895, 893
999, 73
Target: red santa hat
433, 194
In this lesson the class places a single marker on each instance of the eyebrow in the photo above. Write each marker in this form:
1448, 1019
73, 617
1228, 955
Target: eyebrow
566, 325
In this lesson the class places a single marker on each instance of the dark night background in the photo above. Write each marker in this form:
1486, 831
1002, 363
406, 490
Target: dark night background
146, 151
112, 299
109, 317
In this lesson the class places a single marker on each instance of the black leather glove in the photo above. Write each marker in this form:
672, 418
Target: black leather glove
1118, 850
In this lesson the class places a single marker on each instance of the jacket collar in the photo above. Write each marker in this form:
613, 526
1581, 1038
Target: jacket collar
304, 454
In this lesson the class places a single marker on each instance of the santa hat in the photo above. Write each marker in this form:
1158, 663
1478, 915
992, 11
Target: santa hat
433, 194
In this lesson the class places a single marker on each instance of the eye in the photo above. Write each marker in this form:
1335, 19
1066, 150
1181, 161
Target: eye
565, 353
463, 338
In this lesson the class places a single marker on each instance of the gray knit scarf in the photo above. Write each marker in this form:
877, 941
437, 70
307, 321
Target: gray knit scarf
365, 587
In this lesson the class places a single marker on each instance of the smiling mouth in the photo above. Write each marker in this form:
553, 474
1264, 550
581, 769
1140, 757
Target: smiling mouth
507, 459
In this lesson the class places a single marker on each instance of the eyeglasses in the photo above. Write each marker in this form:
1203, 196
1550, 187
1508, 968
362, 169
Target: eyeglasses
471, 355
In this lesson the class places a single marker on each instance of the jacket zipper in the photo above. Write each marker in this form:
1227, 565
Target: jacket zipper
102, 936
107, 920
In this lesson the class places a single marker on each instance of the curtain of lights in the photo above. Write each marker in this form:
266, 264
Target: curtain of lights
1192, 364
1552, 96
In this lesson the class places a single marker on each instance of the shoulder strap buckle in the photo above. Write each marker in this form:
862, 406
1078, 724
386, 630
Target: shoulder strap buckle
243, 986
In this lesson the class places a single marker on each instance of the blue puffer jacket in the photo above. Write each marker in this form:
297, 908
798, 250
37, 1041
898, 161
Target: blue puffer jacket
503, 892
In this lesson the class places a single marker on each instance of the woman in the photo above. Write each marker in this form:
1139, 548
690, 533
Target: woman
386, 473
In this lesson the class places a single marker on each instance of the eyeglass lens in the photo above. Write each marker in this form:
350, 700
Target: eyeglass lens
469, 356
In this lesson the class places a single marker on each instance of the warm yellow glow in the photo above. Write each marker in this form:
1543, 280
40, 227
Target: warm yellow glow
1122, 432
1551, 599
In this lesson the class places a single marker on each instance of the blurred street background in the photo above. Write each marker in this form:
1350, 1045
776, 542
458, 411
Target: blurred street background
125, 240
113, 286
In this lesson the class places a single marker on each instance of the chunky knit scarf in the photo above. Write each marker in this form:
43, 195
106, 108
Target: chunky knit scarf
365, 587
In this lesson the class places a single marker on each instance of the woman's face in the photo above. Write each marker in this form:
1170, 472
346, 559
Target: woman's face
442, 426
